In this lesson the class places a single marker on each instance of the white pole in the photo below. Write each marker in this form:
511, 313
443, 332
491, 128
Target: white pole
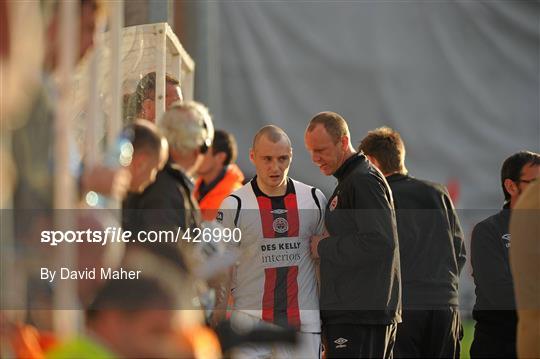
65, 321
176, 66
94, 117
161, 69
214, 58
114, 123
183, 67
115, 43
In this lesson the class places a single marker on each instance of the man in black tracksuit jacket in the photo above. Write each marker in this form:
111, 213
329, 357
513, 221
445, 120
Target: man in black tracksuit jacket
360, 295
432, 253
495, 307
168, 203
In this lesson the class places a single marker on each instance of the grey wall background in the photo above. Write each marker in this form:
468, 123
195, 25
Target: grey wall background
458, 79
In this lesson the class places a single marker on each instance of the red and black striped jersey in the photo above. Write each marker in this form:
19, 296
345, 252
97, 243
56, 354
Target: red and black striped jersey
275, 276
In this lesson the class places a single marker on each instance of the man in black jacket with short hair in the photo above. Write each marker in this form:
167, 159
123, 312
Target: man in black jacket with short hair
360, 295
495, 307
432, 253
168, 203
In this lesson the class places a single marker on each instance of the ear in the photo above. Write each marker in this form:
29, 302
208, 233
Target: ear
137, 162
344, 142
252, 156
511, 187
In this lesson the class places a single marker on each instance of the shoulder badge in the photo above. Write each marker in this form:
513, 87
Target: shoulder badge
334, 203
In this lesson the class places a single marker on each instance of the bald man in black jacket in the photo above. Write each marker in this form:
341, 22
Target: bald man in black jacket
360, 296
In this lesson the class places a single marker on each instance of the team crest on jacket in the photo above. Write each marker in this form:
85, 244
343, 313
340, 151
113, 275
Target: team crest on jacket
340, 343
333, 204
280, 225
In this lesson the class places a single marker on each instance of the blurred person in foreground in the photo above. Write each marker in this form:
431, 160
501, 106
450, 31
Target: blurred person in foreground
218, 175
168, 206
33, 142
274, 283
360, 272
432, 253
495, 307
525, 264
127, 319
142, 103
150, 150
32, 147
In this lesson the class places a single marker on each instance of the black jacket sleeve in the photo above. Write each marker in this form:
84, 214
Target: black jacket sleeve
372, 236
457, 232
490, 269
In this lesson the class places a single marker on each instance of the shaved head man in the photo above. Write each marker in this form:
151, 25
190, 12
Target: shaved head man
271, 154
274, 280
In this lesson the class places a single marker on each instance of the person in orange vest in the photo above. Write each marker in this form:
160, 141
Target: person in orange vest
218, 175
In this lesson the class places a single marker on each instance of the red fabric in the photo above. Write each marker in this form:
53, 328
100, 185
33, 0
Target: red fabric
29, 343
4, 29
293, 313
267, 218
268, 295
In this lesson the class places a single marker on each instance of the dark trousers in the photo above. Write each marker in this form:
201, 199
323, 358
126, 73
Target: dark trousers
429, 334
359, 341
488, 345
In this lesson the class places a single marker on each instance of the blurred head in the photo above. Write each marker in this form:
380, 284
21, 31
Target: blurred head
188, 128
327, 140
271, 154
517, 172
222, 153
385, 149
148, 155
89, 10
144, 105
132, 317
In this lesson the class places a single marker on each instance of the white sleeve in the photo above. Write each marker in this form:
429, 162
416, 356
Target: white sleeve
229, 213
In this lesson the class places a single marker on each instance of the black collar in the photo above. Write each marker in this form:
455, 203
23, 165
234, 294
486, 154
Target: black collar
396, 177
258, 192
178, 174
349, 163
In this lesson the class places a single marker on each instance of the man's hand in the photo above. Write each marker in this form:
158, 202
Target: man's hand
314, 242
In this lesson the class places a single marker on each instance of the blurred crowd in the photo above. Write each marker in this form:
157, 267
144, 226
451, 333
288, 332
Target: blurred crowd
175, 172
164, 314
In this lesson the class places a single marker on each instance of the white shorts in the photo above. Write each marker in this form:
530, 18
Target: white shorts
308, 345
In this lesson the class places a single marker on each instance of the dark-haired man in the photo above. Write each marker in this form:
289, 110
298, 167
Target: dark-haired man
432, 253
495, 307
142, 103
360, 276
218, 174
